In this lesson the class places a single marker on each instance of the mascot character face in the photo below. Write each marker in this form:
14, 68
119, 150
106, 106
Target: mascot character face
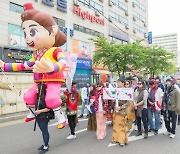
37, 37
40, 29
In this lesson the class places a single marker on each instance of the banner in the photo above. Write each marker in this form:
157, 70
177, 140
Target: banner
71, 61
118, 93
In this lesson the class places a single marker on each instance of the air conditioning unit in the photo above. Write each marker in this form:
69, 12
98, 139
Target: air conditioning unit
110, 3
126, 13
126, 0
145, 35
133, 4
97, 13
110, 19
134, 31
101, 1
134, 18
145, 25
75, 2
127, 27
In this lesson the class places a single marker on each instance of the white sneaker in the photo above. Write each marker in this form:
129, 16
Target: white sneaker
71, 137
172, 136
166, 133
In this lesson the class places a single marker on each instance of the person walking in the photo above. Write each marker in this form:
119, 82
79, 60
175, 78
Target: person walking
92, 116
140, 106
171, 107
42, 117
71, 109
130, 111
119, 134
101, 109
85, 91
154, 105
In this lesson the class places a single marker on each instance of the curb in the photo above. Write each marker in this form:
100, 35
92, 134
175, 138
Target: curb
18, 115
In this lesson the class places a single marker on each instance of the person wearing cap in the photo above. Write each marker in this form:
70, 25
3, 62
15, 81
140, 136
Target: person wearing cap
154, 105
171, 107
119, 134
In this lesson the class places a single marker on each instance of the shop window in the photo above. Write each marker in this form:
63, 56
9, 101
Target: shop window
16, 8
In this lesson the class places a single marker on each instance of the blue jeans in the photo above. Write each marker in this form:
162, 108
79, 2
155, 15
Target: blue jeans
44, 129
85, 102
150, 118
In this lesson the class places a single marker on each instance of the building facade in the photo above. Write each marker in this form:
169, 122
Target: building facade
170, 43
120, 20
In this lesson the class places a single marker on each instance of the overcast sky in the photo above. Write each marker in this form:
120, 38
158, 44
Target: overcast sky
164, 16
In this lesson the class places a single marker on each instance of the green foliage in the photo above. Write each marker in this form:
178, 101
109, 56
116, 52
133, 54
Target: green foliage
122, 58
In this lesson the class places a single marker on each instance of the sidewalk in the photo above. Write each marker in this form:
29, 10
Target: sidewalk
18, 115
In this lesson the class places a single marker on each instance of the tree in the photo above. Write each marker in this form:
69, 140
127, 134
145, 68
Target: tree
157, 60
119, 58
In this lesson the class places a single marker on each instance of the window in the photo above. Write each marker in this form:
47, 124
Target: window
139, 17
16, 8
59, 22
86, 30
120, 5
139, 29
92, 5
139, 5
118, 18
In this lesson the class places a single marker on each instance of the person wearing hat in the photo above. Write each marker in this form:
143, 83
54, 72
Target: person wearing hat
171, 107
119, 134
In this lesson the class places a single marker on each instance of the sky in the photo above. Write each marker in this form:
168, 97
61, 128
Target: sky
164, 16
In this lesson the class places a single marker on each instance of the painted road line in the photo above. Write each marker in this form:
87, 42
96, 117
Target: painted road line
135, 138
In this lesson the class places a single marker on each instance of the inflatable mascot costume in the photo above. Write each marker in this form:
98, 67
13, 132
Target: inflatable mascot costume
42, 34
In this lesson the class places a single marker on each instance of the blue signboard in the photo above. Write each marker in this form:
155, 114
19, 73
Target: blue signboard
82, 76
61, 4
150, 37
84, 63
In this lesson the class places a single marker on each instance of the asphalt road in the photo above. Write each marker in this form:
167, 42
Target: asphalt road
17, 137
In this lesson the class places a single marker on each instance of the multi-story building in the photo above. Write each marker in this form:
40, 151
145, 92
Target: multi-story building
120, 20
170, 43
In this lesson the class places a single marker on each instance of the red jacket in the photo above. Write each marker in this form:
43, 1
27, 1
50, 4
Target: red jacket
72, 100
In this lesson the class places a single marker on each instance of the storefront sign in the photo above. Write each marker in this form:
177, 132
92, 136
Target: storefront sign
84, 63
119, 35
16, 55
86, 15
61, 4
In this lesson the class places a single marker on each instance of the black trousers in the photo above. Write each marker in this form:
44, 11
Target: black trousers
72, 123
172, 119
144, 119
179, 118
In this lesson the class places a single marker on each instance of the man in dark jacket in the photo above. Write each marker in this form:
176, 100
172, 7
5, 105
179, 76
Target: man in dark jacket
171, 107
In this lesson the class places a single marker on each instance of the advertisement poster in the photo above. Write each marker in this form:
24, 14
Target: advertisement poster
82, 49
16, 35
118, 93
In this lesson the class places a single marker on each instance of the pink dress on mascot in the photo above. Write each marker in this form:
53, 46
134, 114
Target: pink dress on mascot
48, 61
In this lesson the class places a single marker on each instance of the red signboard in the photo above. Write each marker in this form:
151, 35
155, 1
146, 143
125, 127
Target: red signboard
86, 15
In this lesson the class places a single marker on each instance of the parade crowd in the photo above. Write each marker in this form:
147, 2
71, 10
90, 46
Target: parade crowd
151, 99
